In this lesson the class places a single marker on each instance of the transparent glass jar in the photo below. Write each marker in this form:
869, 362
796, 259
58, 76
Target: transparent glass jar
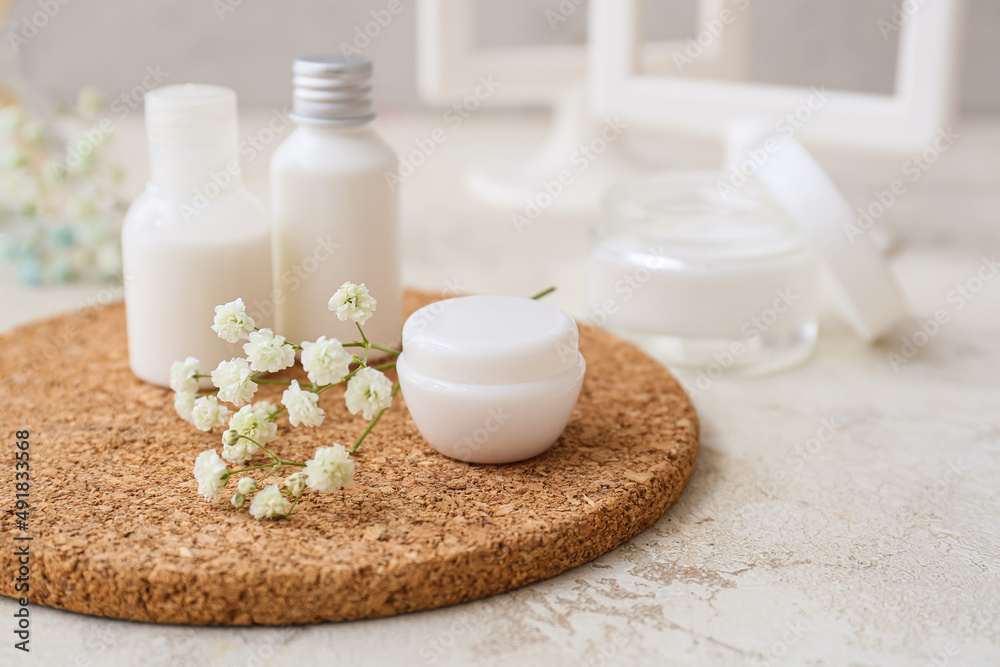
704, 275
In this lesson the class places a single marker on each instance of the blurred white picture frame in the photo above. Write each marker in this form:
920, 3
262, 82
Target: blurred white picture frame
449, 64
923, 103
450, 67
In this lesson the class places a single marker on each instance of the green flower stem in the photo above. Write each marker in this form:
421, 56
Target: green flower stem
278, 462
385, 367
262, 447
269, 465
374, 421
374, 347
294, 503
544, 292
351, 374
266, 381
266, 465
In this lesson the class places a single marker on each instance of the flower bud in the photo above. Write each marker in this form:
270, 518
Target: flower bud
246, 486
238, 499
296, 483
230, 437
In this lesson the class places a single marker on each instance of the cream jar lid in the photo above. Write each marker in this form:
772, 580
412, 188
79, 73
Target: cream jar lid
869, 297
490, 340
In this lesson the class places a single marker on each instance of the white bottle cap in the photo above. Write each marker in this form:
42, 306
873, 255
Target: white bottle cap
870, 299
491, 340
192, 134
332, 88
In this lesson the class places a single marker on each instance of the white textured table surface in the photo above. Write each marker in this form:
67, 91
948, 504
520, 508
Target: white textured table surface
844, 513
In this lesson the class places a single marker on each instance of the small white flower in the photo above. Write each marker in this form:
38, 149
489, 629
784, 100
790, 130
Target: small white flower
14, 158
326, 361
233, 380
32, 133
108, 260
207, 413
251, 423
211, 473
330, 469
352, 302
246, 485
232, 322
269, 504
182, 375
302, 406
369, 392
267, 352
238, 500
11, 118
296, 483
267, 406
241, 452
184, 404
89, 102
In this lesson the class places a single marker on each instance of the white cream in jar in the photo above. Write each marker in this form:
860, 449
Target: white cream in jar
701, 274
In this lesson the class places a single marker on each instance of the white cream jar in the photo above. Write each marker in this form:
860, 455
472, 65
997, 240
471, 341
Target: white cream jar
490, 379
700, 275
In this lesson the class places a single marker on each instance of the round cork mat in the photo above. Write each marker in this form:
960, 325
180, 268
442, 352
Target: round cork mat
119, 530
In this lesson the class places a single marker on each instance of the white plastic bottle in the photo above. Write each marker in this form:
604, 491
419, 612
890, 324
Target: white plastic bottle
335, 216
195, 238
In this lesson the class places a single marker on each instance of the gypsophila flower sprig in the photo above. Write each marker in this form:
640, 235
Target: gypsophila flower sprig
253, 427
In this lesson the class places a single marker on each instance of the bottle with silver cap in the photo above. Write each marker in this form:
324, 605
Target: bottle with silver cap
335, 214
195, 238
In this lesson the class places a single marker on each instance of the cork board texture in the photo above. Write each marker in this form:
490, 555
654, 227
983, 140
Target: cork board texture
119, 530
